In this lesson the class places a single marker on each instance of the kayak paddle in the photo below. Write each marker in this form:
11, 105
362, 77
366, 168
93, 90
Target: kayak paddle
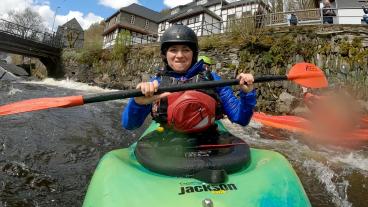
305, 74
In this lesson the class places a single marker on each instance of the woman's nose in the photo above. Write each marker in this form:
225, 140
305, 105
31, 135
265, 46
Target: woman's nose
179, 53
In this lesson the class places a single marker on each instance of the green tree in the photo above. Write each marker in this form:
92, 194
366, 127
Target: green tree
122, 41
165, 11
92, 48
93, 35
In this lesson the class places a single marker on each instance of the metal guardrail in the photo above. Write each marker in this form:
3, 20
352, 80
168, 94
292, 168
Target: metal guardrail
50, 39
305, 17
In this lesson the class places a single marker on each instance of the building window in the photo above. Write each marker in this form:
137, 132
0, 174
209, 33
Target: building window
146, 25
231, 19
196, 19
118, 17
163, 26
132, 19
191, 21
247, 14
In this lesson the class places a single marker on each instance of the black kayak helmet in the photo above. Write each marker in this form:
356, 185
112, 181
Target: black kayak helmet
179, 34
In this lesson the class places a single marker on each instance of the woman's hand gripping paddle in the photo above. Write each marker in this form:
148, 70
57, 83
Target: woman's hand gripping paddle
305, 74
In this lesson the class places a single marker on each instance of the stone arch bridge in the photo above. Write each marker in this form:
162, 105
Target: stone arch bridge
21, 40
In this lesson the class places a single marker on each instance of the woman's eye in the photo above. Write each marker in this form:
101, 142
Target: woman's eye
172, 50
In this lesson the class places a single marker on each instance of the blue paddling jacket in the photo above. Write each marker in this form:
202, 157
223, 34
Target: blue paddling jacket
239, 111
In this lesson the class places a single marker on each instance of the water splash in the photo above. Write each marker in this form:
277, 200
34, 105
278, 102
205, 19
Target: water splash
99, 125
297, 151
326, 176
353, 159
13, 91
70, 85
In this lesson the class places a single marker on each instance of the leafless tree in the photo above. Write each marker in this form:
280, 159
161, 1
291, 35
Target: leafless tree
301, 4
276, 5
72, 37
27, 23
289, 5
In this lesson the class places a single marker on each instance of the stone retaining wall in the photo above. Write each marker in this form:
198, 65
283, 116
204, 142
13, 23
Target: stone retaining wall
340, 50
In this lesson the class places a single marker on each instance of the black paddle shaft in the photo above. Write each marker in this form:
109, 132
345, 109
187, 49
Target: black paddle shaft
183, 87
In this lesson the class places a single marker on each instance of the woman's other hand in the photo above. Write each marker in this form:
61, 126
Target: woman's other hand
246, 82
148, 89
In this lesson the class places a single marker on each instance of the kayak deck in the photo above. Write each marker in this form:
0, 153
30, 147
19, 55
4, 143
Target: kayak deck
269, 180
120, 180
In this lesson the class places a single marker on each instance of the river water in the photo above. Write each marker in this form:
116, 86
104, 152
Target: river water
48, 157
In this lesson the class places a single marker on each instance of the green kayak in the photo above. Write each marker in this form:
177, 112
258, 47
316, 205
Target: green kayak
262, 178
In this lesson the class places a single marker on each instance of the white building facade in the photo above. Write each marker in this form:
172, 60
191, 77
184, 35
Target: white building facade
208, 17
349, 11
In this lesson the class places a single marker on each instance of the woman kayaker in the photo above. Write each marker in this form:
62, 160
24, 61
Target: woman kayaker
189, 111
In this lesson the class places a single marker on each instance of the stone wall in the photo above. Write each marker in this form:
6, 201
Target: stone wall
341, 51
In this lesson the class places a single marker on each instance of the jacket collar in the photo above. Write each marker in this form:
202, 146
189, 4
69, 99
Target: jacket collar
191, 72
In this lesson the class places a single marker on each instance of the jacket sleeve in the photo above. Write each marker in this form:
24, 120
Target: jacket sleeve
134, 114
239, 111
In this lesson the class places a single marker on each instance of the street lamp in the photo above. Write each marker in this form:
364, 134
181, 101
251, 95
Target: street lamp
53, 22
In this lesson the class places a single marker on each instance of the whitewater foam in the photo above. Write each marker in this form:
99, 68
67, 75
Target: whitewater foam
326, 176
14, 91
353, 159
66, 83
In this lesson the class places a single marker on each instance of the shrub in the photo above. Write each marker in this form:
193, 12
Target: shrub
90, 56
71, 55
121, 47
210, 42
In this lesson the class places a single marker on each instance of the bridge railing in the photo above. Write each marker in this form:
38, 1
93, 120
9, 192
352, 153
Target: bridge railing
50, 39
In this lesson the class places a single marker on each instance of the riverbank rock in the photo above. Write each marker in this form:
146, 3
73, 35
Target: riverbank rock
286, 103
363, 106
7, 76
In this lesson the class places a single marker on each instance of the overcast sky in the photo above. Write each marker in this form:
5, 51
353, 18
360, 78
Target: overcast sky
85, 11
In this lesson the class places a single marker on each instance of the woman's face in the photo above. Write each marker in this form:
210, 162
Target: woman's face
179, 58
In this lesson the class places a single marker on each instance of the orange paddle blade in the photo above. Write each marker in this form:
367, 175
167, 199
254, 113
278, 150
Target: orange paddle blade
299, 124
291, 123
364, 122
308, 75
40, 104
